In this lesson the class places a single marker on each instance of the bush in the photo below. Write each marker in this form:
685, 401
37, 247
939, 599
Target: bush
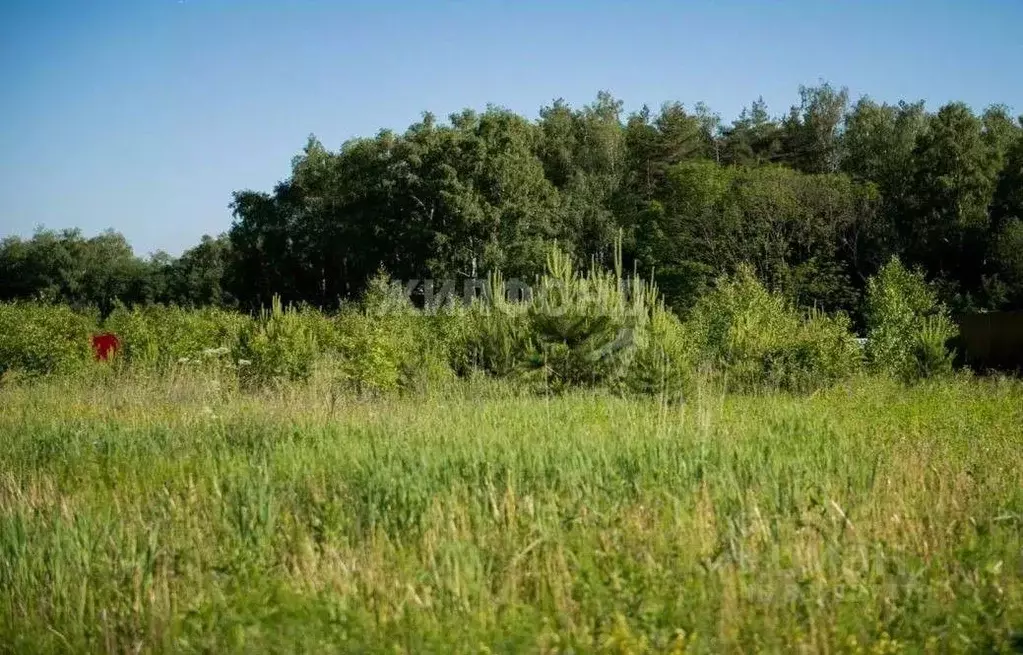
591, 329
384, 344
930, 353
595, 329
756, 338
159, 337
665, 364
39, 339
370, 352
491, 335
908, 328
280, 345
585, 330
820, 353
427, 361
738, 324
323, 328
495, 340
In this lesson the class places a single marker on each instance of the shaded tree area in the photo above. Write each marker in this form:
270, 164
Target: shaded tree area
102, 271
816, 200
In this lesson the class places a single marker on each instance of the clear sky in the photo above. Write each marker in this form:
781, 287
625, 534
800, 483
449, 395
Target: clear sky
144, 115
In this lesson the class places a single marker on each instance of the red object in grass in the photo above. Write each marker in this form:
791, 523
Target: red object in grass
104, 345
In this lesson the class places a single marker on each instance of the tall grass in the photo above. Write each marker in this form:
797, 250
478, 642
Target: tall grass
160, 514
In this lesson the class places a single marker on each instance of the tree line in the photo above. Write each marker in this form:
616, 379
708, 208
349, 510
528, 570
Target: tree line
816, 200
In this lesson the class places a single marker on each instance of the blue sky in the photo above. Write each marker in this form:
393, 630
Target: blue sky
144, 115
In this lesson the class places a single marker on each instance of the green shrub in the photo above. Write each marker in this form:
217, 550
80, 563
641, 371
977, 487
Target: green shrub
738, 324
755, 338
820, 353
427, 361
39, 339
385, 297
279, 346
491, 335
577, 329
585, 329
495, 340
665, 364
370, 352
930, 353
322, 326
384, 344
908, 328
159, 337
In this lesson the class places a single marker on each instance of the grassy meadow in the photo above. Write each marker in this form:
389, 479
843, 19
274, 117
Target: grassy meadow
179, 514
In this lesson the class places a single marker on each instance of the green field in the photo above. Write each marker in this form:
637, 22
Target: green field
171, 514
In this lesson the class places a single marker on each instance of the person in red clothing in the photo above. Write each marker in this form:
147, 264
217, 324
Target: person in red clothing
104, 345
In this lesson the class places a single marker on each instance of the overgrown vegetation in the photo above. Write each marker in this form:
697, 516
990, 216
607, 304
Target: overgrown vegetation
180, 514
286, 454
908, 329
40, 339
158, 338
572, 471
757, 338
577, 329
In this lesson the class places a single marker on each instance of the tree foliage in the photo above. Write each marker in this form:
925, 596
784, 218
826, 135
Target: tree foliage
816, 201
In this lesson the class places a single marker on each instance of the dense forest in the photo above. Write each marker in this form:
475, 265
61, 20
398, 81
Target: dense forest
816, 200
